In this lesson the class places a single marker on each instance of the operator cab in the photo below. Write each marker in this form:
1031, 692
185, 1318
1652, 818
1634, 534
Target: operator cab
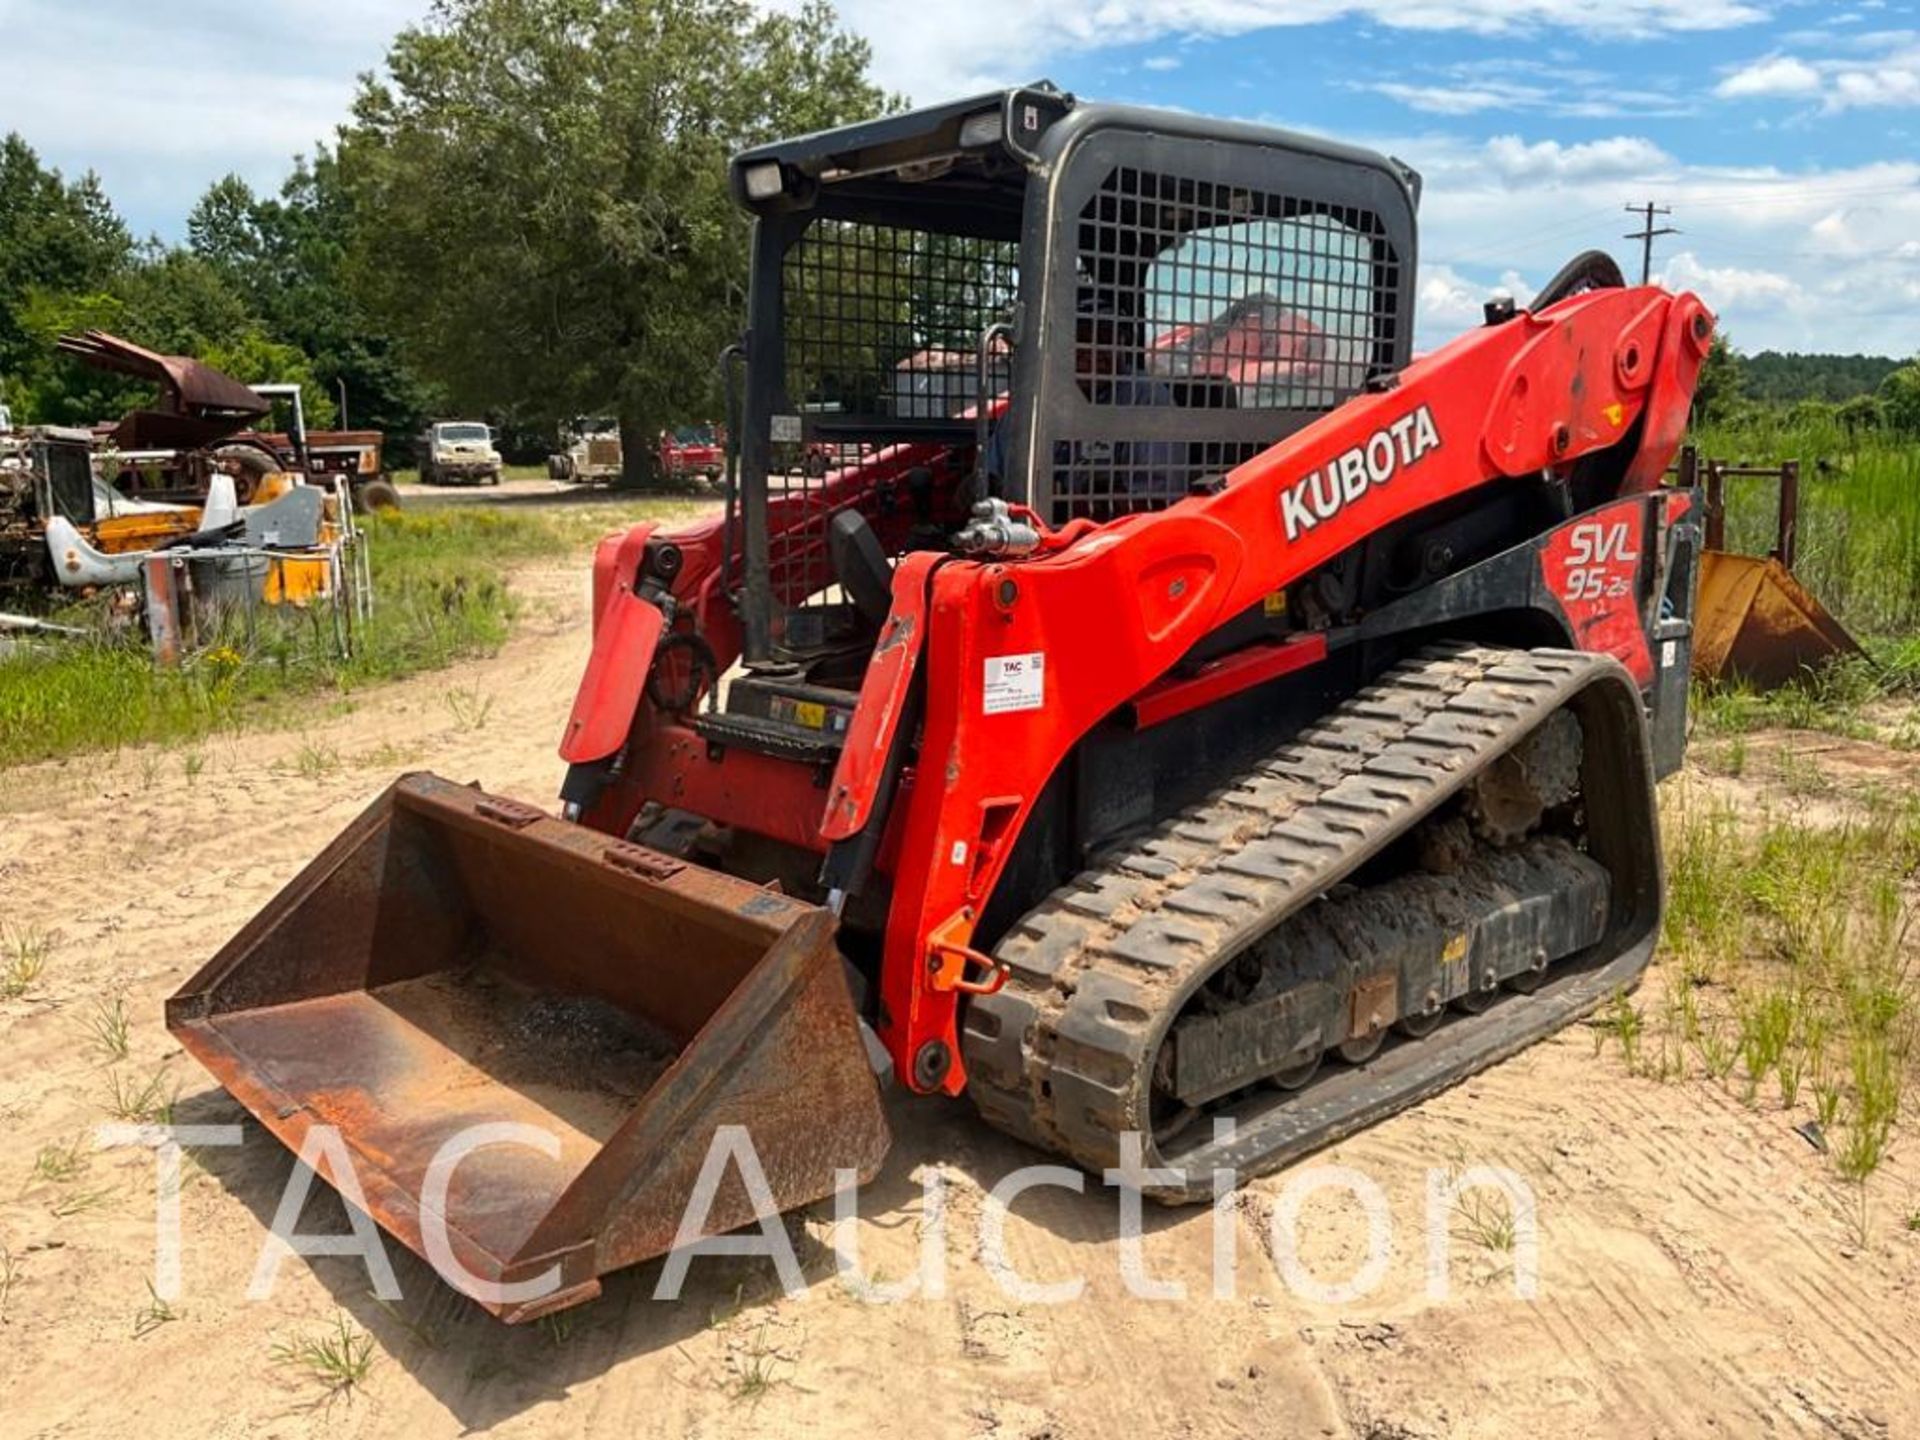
1141, 300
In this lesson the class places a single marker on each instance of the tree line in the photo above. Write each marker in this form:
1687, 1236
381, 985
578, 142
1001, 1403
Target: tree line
525, 218
1852, 395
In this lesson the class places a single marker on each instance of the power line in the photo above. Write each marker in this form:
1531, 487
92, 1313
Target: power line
1712, 195
1507, 244
1645, 235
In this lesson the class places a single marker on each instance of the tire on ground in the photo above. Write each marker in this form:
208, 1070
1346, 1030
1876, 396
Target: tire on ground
252, 463
376, 495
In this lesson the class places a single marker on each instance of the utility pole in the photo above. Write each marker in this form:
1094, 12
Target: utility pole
342, 383
1646, 233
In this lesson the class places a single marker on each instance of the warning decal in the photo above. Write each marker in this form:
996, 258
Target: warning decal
1015, 682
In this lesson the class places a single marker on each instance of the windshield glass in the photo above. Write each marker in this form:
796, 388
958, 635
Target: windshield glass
463, 432
693, 434
1280, 309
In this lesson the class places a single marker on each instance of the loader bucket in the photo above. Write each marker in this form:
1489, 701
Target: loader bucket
1754, 622
455, 960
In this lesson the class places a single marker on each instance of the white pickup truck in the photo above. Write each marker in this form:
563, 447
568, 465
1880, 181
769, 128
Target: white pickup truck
458, 452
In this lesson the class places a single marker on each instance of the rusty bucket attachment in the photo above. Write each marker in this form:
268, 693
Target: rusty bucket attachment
1754, 622
455, 960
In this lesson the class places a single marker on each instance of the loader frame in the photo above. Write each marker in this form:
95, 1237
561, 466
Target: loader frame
1023, 745
1244, 606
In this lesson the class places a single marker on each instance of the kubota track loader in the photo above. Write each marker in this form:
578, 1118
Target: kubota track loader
1214, 714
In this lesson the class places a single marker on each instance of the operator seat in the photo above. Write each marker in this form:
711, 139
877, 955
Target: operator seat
860, 565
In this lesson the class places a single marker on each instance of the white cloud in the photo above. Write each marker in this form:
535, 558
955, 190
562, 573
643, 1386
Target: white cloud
1520, 163
1161, 62
940, 48
1801, 259
1459, 99
1875, 71
1447, 302
1776, 75
162, 100
1513, 83
1730, 287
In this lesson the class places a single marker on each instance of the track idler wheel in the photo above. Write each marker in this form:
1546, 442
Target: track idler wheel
1475, 1002
1363, 1048
1417, 1025
1296, 1076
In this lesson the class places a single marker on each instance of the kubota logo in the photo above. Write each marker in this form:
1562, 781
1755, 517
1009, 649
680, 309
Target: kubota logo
1346, 477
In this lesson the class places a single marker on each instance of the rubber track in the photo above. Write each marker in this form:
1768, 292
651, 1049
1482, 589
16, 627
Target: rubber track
1062, 1056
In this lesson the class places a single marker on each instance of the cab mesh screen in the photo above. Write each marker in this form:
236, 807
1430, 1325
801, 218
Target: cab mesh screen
1197, 296
883, 327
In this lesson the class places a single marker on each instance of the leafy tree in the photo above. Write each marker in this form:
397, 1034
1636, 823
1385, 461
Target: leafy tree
1717, 393
1900, 399
542, 194
1861, 414
223, 228
1772, 376
172, 301
54, 236
287, 257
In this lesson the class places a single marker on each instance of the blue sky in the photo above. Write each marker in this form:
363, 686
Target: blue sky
1781, 132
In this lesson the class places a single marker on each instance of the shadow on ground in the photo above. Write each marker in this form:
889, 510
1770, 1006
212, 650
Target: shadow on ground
484, 1372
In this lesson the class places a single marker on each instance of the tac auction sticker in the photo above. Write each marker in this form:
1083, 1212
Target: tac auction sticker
1015, 682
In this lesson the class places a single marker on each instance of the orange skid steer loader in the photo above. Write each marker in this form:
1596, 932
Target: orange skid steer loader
1214, 713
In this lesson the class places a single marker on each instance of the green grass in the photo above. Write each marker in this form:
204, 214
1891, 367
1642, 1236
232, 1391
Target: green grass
151, 1316
754, 1367
24, 950
1859, 530
108, 1028
441, 595
507, 472
78, 1202
142, 1099
60, 1164
1793, 947
339, 1358
1847, 697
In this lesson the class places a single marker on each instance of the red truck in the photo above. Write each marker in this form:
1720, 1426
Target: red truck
688, 450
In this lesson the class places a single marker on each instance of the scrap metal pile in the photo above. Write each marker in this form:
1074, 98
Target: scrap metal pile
238, 529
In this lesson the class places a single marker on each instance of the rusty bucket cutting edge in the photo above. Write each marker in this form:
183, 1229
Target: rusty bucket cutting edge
454, 960
1754, 622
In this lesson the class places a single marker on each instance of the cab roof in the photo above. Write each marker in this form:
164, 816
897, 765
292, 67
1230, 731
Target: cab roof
980, 148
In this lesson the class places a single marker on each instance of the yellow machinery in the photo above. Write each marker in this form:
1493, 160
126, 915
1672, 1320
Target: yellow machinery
1753, 622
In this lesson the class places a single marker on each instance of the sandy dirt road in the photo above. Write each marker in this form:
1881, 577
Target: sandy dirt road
1695, 1274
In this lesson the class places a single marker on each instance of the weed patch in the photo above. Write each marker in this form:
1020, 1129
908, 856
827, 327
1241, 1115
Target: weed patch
142, 1099
1791, 946
108, 1030
58, 1164
24, 952
339, 1358
151, 1316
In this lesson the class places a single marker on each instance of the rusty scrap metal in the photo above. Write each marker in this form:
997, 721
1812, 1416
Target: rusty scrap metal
197, 404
